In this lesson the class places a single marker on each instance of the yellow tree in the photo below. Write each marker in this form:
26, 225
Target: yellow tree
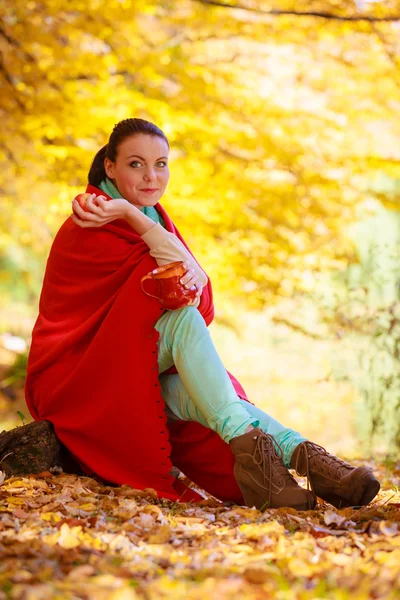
278, 121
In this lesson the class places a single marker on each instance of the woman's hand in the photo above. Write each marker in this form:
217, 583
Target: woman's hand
102, 211
190, 280
199, 287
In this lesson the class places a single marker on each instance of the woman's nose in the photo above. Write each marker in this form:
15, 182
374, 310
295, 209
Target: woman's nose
150, 174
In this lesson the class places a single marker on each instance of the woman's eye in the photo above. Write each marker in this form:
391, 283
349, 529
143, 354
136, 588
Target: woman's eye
136, 163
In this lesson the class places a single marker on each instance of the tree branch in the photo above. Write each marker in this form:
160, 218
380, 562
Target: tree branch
16, 44
10, 82
389, 51
296, 327
8, 153
9, 39
275, 12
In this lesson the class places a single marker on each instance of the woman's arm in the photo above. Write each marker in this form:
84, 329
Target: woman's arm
140, 222
99, 211
164, 246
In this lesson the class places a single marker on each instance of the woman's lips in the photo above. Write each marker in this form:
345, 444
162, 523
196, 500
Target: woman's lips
149, 190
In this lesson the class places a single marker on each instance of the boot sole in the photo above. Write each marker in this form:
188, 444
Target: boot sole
370, 492
299, 507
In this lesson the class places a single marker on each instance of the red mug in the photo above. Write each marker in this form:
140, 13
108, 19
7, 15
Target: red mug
171, 293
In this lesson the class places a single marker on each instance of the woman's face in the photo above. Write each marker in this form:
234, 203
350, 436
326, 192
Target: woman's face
140, 171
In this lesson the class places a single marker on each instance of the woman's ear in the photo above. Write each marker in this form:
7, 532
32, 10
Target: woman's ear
109, 168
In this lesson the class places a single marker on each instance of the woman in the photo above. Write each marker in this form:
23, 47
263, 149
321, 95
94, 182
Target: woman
133, 389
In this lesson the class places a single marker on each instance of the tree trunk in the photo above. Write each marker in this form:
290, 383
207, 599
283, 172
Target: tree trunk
34, 448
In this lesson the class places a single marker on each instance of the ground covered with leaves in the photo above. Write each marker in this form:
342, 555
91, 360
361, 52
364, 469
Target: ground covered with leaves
64, 536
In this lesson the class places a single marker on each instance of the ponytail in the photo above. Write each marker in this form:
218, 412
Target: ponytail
97, 171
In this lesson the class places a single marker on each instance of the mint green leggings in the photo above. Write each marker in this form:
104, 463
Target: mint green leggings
202, 390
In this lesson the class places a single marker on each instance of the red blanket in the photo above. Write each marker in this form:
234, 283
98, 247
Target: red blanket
93, 372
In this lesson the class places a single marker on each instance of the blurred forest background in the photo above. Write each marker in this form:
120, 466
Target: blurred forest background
283, 119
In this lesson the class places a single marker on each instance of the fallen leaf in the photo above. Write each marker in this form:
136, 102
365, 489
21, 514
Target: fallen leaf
70, 521
39, 484
15, 501
159, 535
145, 519
69, 536
88, 506
43, 475
16, 483
331, 517
124, 594
81, 572
317, 531
300, 567
20, 513
21, 576
50, 516
256, 575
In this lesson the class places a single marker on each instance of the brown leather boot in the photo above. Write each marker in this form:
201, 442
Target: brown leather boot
263, 479
332, 479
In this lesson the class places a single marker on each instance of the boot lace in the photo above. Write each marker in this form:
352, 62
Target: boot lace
313, 453
269, 457
335, 466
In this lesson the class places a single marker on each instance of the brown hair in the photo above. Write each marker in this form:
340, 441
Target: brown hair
121, 131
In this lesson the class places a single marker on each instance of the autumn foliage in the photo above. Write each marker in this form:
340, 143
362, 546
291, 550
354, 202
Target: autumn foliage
68, 537
279, 124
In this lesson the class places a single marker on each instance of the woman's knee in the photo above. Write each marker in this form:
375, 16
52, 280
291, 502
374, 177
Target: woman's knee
186, 321
190, 314
190, 317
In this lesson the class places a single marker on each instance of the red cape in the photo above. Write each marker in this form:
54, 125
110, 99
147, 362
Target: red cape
93, 371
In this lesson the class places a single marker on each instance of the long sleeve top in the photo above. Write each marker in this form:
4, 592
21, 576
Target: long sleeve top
165, 247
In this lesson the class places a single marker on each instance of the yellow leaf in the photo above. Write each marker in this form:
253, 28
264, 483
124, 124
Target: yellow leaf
50, 516
40, 484
301, 568
160, 535
81, 572
15, 501
51, 539
92, 542
104, 580
88, 506
257, 530
123, 594
341, 560
16, 483
69, 536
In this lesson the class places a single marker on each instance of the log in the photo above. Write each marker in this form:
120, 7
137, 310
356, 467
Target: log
34, 448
